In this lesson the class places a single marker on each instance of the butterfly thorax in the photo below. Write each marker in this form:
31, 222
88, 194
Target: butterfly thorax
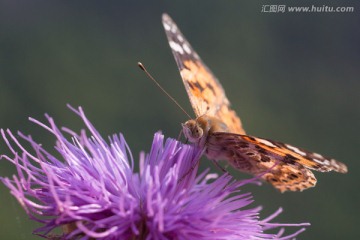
197, 130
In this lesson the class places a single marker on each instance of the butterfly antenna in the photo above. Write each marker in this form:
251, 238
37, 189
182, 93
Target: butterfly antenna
162, 89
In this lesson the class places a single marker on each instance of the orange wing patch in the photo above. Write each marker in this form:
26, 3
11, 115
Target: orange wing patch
201, 87
207, 95
290, 178
229, 117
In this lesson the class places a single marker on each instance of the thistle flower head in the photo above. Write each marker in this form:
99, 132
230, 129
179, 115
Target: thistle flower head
93, 190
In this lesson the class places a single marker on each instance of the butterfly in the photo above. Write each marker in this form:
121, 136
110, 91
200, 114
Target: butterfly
219, 130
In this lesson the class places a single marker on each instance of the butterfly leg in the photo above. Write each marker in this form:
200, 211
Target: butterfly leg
219, 166
189, 171
180, 134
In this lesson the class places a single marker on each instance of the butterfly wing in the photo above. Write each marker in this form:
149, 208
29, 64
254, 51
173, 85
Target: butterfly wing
205, 92
286, 167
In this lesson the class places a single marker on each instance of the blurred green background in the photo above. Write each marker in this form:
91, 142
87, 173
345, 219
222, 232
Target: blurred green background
292, 77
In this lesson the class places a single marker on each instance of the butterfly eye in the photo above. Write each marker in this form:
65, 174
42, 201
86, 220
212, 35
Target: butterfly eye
198, 132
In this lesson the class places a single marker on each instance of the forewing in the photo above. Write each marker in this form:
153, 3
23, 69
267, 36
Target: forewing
286, 167
205, 92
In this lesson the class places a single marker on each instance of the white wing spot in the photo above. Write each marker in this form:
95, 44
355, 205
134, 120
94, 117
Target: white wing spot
318, 155
173, 29
176, 47
326, 162
186, 48
295, 149
167, 27
335, 164
322, 162
266, 142
180, 38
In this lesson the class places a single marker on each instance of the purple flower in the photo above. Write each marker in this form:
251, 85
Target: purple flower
93, 191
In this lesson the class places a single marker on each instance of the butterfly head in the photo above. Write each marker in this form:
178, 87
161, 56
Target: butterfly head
192, 130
